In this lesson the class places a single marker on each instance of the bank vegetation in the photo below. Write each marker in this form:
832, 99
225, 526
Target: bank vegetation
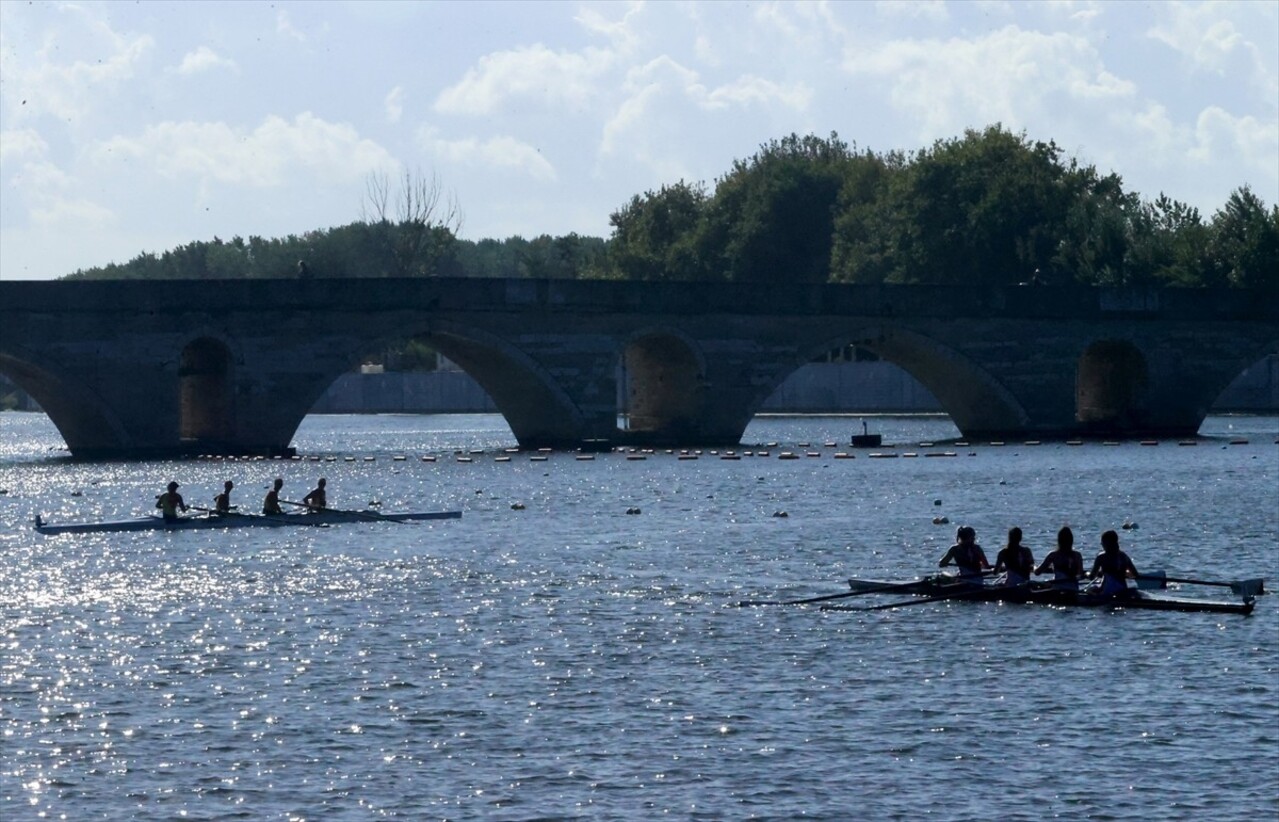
991, 207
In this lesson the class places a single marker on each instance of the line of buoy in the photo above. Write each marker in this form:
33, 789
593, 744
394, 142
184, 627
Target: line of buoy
641, 454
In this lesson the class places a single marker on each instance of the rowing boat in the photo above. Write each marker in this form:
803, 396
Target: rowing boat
952, 587
234, 520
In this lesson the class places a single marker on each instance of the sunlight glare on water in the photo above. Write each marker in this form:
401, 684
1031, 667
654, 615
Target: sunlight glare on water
550, 655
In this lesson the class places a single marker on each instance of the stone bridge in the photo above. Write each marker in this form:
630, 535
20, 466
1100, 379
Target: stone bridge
131, 369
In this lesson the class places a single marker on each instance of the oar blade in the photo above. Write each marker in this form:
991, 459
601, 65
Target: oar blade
1249, 588
1152, 581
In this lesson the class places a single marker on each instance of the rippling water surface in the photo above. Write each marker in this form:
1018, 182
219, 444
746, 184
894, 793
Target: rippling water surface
552, 656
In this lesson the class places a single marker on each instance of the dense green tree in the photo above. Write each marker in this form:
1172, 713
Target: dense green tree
858, 253
985, 208
1099, 227
990, 207
654, 235
1169, 244
1244, 243
772, 217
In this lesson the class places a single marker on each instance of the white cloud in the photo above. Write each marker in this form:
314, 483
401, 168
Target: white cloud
204, 59
52, 197
283, 25
1219, 134
749, 89
557, 78
1010, 75
808, 28
1073, 9
69, 90
621, 32
18, 145
934, 11
1224, 39
496, 152
1198, 33
262, 158
77, 212
394, 104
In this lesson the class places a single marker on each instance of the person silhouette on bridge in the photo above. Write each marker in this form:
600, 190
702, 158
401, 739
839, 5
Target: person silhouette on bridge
271, 505
169, 502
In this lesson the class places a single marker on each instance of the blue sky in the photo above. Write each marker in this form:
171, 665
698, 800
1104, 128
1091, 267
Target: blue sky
131, 127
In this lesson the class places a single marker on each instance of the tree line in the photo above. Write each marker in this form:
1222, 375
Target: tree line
988, 208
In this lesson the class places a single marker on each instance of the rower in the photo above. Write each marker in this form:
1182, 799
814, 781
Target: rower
169, 502
222, 502
1066, 563
1015, 560
271, 505
1114, 567
317, 500
967, 555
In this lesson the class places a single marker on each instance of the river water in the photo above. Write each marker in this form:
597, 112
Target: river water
550, 656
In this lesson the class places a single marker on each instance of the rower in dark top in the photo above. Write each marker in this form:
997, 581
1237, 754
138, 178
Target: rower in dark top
1066, 564
169, 502
1015, 560
1114, 567
271, 505
967, 555
317, 500
222, 502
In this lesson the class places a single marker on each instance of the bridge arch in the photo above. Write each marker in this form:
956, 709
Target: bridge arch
973, 398
538, 410
536, 407
662, 378
206, 397
1254, 385
1112, 382
86, 422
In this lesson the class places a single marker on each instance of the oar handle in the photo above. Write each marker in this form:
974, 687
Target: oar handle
212, 510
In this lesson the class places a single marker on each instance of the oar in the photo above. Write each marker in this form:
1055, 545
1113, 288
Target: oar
973, 591
749, 603
895, 586
941, 579
369, 515
1244, 587
214, 511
